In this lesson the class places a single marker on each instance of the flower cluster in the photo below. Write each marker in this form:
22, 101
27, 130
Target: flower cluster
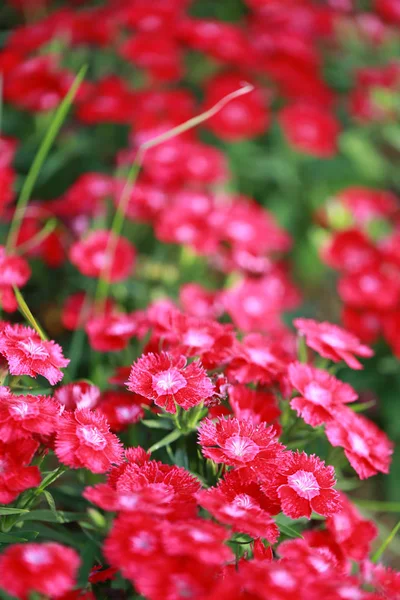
191, 423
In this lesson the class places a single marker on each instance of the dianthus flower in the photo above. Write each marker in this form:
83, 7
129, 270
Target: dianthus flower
15, 475
242, 505
240, 443
371, 289
310, 129
257, 359
27, 354
78, 394
305, 484
110, 332
14, 271
322, 395
121, 409
49, 569
78, 309
367, 448
168, 380
200, 302
253, 405
311, 559
351, 531
84, 440
22, 416
147, 486
333, 342
98, 255
350, 251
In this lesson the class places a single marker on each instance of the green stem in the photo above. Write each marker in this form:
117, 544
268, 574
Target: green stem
39, 159
376, 556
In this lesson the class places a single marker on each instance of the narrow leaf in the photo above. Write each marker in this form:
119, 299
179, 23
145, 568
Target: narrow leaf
24, 309
376, 556
168, 439
12, 511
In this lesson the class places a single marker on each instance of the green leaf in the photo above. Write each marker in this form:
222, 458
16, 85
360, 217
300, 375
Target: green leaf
289, 531
24, 309
88, 556
377, 506
41, 155
168, 439
6, 538
49, 516
156, 424
12, 511
376, 556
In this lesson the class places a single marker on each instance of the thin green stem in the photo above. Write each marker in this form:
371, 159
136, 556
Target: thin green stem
376, 556
41, 155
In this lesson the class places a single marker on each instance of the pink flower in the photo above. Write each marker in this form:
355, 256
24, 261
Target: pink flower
168, 380
49, 569
253, 405
84, 440
367, 448
110, 333
15, 474
97, 254
322, 395
14, 271
239, 443
333, 342
351, 532
78, 394
305, 485
21, 416
27, 354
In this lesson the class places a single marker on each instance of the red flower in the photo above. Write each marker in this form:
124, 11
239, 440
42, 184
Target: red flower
351, 251
239, 443
160, 55
256, 304
305, 484
78, 309
7, 178
27, 354
97, 254
333, 342
110, 332
109, 100
239, 510
351, 532
147, 486
15, 475
243, 117
253, 405
36, 84
14, 271
22, 416
78, 394
257, 359
49, 569
201, 539
121, 409
84, 440
310, 129
200, 302
374, 288
86, 196
367, 448
366, 325
97, 574
322, 395
314, 560
167, 380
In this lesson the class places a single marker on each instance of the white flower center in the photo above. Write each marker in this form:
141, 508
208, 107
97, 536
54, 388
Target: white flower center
91, 436
358, 445
34, 349
317, 394
241, 447
36, 556
304, 484
168, 382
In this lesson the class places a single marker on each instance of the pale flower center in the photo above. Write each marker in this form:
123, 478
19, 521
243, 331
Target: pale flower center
260, 357
358, 445
304, 484
168, 382
253, 306
142, 541
92, 437
19, 410
333, 340
126, 414
317, 394
194, 338
238, 446
34, 349
36, 556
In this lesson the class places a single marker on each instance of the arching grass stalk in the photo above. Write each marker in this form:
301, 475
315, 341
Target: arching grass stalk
119, 216
39, 159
